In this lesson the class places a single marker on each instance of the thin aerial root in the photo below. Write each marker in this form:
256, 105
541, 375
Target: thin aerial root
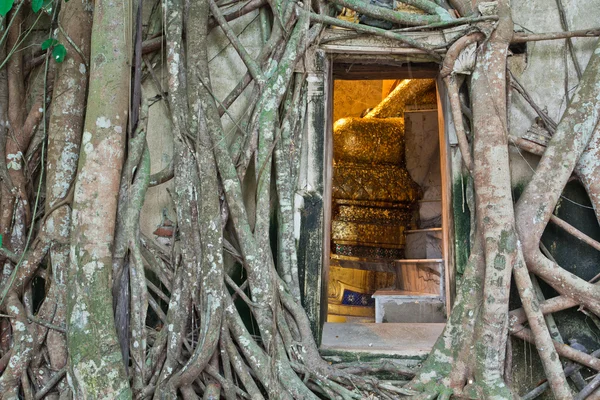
575, 232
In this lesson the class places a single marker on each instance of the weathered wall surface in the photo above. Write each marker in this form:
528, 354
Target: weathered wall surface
542, 69
160, 142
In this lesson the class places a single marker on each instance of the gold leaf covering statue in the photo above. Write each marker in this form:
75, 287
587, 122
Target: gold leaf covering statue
373, 193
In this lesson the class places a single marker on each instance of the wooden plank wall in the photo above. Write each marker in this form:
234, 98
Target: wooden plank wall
419, 277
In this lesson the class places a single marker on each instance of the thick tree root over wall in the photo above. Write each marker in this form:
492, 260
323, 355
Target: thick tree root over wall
215, 334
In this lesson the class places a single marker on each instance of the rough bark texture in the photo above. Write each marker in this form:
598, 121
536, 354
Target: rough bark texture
493, 197
95, 365
65, 128
212, 306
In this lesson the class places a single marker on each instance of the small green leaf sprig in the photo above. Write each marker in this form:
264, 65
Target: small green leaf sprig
36, 6
58, 50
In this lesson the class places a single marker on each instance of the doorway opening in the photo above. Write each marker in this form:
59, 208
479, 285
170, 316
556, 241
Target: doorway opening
387, 271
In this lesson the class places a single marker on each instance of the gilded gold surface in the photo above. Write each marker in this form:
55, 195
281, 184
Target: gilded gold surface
373, 194
381, 204
371, 226
374, 183
337, 310
367, 234
356, 280
369, 141
409, 91
374, 215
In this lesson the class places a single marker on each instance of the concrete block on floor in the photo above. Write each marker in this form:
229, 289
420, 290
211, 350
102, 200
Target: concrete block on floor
399, 308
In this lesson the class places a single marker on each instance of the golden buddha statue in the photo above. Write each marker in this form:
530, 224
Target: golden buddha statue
373, 200
373, 194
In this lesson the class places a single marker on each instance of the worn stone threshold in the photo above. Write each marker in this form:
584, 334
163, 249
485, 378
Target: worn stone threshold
401, 339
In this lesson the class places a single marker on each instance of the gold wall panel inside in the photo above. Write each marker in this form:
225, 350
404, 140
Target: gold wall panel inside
352, 98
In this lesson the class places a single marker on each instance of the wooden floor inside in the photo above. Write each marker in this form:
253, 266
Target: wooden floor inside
390, 338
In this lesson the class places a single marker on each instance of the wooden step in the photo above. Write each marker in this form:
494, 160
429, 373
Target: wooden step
419, 261
437, 229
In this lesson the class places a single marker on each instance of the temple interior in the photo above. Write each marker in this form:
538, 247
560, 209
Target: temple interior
386, 214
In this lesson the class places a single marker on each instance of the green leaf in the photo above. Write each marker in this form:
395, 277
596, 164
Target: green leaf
47, 5
58, 53
5, 6
36, 5
46, 44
